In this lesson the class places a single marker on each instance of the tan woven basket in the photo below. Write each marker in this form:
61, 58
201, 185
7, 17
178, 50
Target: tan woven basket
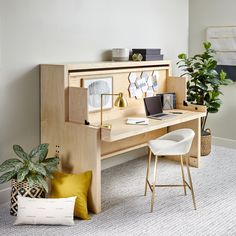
206, 144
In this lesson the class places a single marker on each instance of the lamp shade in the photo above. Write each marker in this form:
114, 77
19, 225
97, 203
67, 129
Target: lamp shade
121, 101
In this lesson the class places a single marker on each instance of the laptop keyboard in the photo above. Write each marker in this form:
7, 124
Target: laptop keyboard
159, 115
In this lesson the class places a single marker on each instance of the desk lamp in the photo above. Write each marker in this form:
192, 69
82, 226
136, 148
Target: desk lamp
119, 102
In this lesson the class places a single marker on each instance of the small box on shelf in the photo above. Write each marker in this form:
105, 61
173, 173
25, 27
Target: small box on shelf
152, 57
147, 51
147, 54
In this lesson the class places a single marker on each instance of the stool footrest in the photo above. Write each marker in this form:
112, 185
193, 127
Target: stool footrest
168, 185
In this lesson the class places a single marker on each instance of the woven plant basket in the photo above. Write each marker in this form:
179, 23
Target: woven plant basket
206, 143
24, 190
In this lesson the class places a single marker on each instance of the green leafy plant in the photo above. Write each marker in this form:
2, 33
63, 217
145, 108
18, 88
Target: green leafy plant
203, 86
34, 167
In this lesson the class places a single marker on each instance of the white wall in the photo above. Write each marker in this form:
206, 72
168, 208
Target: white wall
204, 13
43, 31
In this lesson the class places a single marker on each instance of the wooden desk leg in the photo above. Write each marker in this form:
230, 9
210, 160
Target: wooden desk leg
195, 151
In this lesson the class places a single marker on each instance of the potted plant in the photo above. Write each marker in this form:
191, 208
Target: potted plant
203, 86
29, 173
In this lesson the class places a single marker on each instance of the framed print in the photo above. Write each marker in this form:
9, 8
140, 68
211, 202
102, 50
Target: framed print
223, 41
168, 101
96, 87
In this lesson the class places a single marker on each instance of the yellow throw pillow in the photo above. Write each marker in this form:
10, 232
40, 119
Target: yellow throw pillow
68, 185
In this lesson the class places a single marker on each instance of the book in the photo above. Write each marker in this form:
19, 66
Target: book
152, 57
168, 100
147, 51
137, 121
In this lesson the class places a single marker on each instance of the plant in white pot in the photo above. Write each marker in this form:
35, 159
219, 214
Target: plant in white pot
203, 86
28, 173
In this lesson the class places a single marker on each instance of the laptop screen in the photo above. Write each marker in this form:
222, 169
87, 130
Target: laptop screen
153, 105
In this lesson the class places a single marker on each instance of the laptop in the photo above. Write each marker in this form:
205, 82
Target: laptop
153, 108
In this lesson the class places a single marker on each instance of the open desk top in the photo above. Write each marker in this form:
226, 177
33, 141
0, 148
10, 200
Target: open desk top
121, 130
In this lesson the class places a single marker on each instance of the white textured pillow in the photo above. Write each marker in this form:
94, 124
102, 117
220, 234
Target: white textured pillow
49, 211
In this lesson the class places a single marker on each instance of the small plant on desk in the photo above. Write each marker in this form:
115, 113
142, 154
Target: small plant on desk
203, 87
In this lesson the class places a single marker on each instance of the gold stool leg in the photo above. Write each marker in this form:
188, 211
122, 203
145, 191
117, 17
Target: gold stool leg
190, 182
182, 171
148, 168
154, 183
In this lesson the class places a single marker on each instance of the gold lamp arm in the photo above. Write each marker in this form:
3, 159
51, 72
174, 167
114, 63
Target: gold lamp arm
101, 103
120, 102
101, 108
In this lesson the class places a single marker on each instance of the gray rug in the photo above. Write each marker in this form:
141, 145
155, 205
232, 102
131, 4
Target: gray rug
126, 210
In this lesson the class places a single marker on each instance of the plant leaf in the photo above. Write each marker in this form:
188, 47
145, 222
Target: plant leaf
35, 180
43, 155
21, 174
30, 180
42, 182
212, 110
222, 75
18, 166
226, 82
20, 152
7, 176
51, 161
9, 164
40, 151
215, 105
182, 56
49, 173
207, 45
50, 170
39, 168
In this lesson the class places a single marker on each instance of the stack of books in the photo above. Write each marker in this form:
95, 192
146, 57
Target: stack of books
149, 54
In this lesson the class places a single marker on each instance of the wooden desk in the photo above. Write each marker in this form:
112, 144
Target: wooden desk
121, 130
64, 108
123, 136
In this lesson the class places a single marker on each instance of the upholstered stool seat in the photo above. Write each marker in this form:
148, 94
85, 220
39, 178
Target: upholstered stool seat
177, 143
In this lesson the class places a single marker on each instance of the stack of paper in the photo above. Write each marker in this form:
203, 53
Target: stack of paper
137, 121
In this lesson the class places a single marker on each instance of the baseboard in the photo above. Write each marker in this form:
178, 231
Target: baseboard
230, 143
122, 158
5, 195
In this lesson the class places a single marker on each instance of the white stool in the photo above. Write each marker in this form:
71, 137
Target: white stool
177, 142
